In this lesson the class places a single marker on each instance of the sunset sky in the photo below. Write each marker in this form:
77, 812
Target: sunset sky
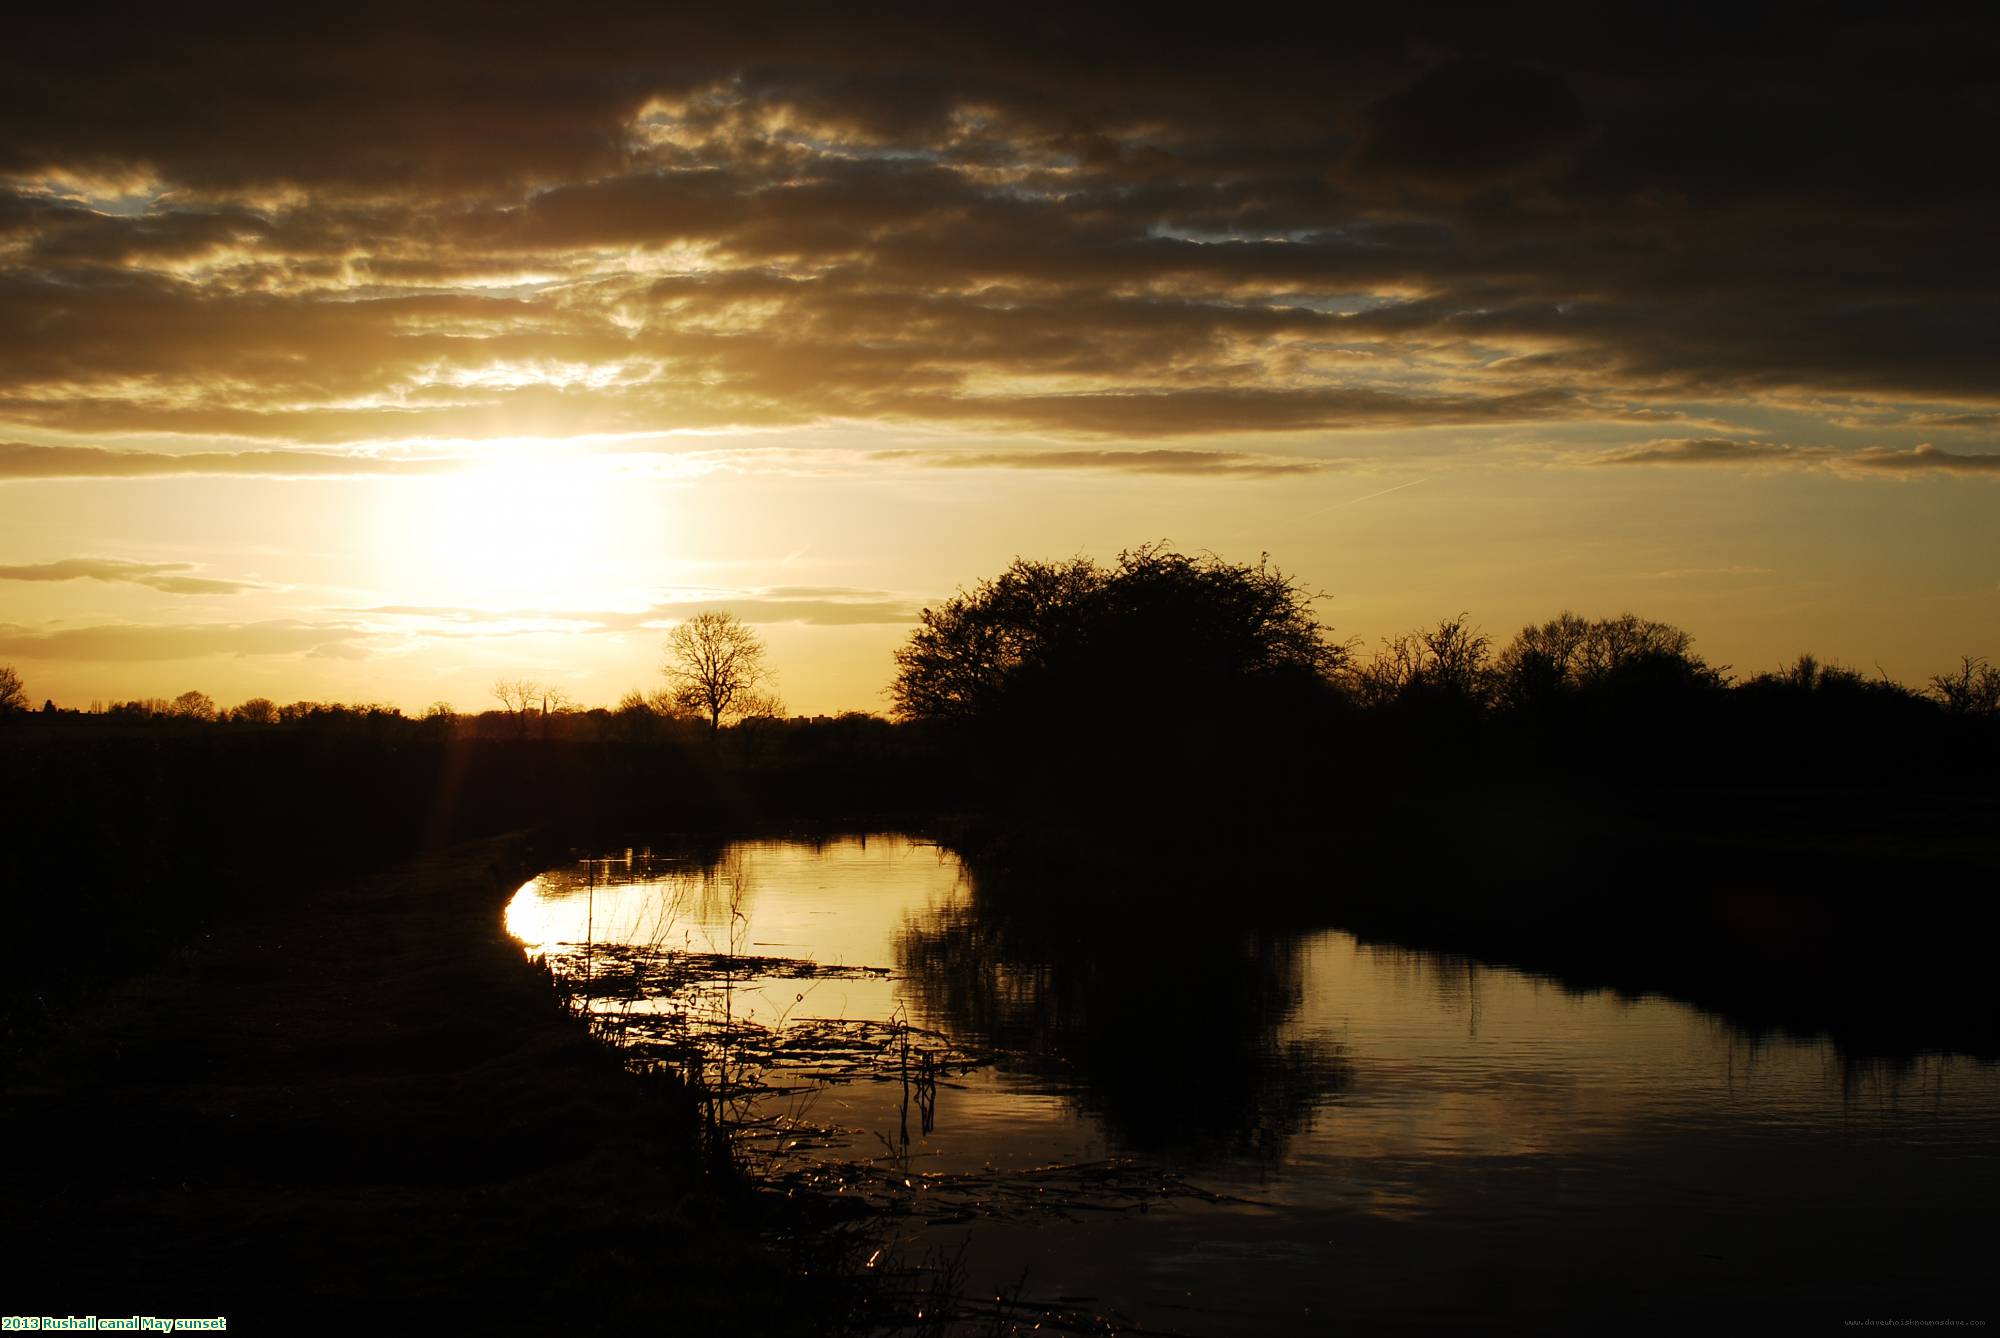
374, 356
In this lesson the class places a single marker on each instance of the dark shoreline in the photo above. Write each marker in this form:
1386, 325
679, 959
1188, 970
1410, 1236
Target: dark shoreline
1864, 918
242, 977
366, 1109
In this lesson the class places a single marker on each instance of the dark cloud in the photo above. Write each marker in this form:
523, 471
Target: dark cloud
1969, 422
169, 577
1167, 413
1924, 459
1192, 464
187, 641
1889, 460
1467, 125
1715, 451
445, 221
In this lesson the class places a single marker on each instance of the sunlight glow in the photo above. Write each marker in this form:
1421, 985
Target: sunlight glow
534, 526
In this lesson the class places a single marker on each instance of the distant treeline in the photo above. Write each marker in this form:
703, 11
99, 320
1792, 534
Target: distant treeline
1191, 698
636, 717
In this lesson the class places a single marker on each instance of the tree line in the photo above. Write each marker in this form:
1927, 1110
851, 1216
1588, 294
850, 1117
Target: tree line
715, 670
1158, 634
1201, 634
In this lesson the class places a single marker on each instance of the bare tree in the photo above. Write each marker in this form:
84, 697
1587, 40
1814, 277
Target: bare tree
527, 697
1449, 661
13, 693
715, 666
518, 695
1973, 690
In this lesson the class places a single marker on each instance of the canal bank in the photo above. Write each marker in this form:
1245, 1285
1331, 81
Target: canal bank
360, 1107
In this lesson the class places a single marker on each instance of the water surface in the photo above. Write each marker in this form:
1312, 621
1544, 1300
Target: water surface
1215, 1129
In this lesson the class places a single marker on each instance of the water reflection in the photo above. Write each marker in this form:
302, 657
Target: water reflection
1316, 1125
1167, 1032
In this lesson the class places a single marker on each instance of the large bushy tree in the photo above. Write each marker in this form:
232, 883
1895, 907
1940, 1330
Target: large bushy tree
1156, 631
194, 705
1570, 654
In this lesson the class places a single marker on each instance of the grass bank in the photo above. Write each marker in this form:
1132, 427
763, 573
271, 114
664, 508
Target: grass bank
360, 1108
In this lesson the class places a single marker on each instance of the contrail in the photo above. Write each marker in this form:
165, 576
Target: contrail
1368, 497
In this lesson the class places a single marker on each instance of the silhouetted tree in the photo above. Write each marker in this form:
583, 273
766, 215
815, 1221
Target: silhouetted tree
1157, 631
1973, 690
715, 668
1571, 654
525, 697
1446, 663
1809, 674
193, 705
518, 695
256, 711
13, 693
1809, 677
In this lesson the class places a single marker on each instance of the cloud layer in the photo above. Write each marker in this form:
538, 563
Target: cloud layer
21, 460
1923, 458
354, 633
819, 606
129, 642
389, 225
1173, 463
168, 577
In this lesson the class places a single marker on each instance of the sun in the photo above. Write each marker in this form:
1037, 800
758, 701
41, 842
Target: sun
532, 527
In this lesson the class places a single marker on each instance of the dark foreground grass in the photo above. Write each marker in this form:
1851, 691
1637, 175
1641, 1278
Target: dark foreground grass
362, 1110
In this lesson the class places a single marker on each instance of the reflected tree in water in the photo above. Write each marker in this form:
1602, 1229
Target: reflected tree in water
1172, 1031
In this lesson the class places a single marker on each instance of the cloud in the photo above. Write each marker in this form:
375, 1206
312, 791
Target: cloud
1957, 421
1702, 573
777, 605
1921, 459
1872, 460
168, 577
19, 460
1180, 413
185, 641
1466, 125
639, 221
1183, 463
1715, 451
819, 606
